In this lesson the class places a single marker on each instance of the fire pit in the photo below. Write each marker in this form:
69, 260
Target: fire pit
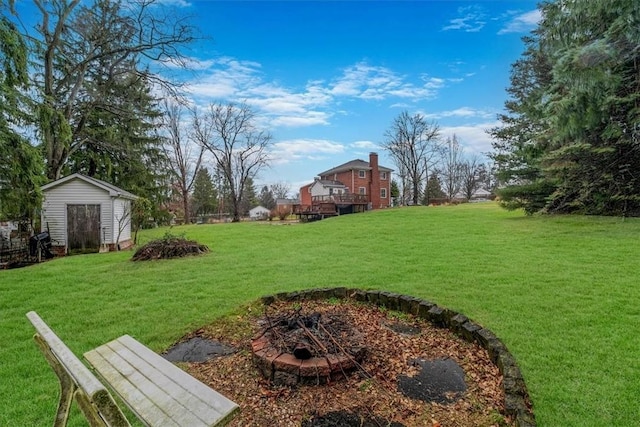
313, 348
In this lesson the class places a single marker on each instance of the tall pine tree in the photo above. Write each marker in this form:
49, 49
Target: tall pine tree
570, 139
21, 166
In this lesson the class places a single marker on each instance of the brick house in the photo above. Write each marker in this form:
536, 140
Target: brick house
364, 178
354, 186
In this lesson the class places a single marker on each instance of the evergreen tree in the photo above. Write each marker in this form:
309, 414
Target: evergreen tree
569, 140
433, 189
593, 106
84, 55
520, 143
249, 199
21, 167
395, 192
266, 198
205, 197
123, 149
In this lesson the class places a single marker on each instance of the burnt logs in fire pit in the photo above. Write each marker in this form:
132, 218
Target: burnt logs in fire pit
310, 348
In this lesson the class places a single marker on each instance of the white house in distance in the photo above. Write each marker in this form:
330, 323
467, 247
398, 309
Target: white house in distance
259, 212
84, 214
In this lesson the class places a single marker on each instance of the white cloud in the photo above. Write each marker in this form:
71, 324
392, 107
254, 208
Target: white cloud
377, 83
365, 145
225, 78
474, 138
466, 112
307, 149
472, 20
178, 3
229, 79
522, 23
310, 118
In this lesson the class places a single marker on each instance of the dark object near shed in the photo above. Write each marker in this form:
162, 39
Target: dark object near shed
40, 242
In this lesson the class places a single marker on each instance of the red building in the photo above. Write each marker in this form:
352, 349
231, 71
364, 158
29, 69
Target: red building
351, 187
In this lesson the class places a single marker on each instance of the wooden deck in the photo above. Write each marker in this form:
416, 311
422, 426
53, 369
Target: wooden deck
337, 204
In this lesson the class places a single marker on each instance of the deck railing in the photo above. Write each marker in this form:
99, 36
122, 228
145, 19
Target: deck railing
345, 198
327, 205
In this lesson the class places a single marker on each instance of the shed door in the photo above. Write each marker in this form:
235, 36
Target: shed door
83, 228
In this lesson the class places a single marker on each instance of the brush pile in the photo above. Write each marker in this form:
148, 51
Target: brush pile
169, 247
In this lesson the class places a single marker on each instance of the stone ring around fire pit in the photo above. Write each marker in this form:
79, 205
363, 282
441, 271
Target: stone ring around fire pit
310, 348
318, 368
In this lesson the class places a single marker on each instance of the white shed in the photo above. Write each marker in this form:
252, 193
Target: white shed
259, 212
85, 214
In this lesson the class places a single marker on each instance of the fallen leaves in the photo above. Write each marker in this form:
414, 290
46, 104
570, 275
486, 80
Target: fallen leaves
389, 354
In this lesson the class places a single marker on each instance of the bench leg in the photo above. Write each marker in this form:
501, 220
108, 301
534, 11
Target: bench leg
89, 410
67, 387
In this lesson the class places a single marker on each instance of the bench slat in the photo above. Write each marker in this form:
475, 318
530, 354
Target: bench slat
131, 368
74, 367
208, 404
206, 394
129, 392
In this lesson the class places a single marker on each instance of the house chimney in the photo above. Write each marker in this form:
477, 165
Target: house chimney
374, 186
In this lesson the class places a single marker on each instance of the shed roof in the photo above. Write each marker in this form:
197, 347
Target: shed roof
356, 164
110, 188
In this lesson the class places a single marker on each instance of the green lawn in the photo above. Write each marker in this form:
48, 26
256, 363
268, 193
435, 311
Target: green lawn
563, 293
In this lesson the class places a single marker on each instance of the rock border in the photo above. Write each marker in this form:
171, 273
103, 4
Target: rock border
515, 390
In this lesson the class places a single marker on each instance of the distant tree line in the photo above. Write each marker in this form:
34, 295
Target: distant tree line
430, 168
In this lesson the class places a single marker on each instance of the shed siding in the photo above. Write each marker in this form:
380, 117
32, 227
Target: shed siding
121, 218
54, 208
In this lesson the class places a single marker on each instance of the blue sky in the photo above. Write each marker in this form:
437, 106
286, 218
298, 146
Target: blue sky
327, 78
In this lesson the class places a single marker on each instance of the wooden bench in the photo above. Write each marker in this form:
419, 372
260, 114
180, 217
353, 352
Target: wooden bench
157, 392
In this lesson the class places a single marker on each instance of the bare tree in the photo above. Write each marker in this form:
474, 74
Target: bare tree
470, 171
451, 167
124, 220
185, 156
84, 48
239, 149
280, 190
414, 146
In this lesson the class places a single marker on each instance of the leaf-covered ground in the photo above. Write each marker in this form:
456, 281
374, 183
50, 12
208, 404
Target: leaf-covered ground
372, 394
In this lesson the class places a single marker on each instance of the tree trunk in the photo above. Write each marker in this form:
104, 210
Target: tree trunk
416, 192
185, 205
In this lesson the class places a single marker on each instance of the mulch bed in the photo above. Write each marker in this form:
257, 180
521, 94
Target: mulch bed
397, 346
